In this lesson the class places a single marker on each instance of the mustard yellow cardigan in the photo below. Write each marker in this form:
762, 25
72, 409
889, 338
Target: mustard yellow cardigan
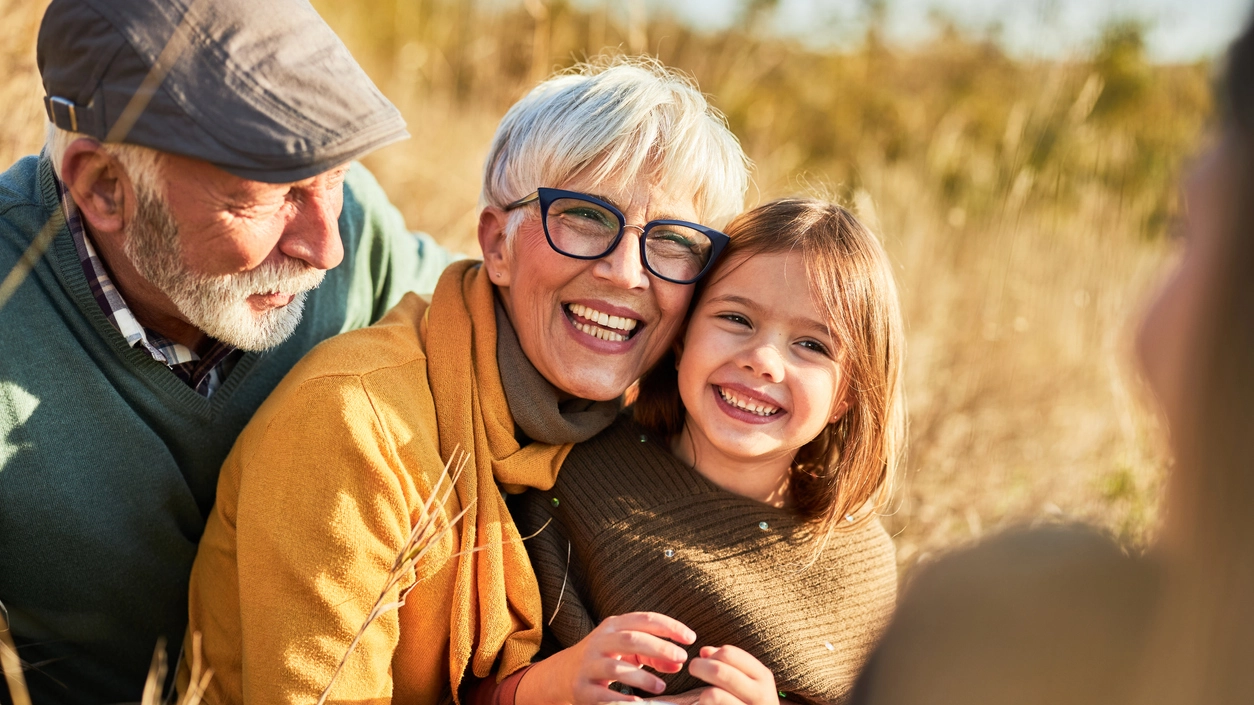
321, 491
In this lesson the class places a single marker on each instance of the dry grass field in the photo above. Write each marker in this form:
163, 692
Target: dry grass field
1027, 206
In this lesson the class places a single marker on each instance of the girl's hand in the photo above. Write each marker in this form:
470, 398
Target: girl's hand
738, 678
614, 651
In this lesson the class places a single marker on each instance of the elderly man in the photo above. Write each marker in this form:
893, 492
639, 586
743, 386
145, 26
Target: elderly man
192, 265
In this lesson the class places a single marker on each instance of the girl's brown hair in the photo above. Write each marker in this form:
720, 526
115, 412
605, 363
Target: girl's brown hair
849, 467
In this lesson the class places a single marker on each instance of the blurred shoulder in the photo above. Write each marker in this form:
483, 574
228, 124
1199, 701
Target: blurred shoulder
1044, 615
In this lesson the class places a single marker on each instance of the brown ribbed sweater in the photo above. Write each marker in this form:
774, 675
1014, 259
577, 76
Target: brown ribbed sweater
643, 531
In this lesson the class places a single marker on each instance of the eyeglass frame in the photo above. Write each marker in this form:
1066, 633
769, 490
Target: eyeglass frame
547, 196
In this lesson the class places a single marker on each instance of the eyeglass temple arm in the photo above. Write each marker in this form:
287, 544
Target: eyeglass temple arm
535, 195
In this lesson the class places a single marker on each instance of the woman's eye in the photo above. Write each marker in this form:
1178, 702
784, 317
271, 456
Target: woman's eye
587, 214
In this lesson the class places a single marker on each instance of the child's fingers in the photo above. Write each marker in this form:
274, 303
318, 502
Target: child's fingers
718, 696
741, 660
724, 676
736, 673
663, 665
658, 625
641, 648
592, 693
606, 670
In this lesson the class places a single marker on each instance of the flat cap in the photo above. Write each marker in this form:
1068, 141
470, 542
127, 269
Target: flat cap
260, 88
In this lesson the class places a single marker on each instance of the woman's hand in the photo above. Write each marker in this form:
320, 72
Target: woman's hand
736, 676
614, 651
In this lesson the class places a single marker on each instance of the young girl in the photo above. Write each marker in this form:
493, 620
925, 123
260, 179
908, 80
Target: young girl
734, 511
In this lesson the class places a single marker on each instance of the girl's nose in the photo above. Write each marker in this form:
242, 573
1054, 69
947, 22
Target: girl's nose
765, 360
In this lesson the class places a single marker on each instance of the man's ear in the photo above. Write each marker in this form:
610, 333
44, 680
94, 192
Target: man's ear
98, 185
492, 242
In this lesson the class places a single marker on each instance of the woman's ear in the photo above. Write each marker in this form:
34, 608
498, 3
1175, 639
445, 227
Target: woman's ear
493, 243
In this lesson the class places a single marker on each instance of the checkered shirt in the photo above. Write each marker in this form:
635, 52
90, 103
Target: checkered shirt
204, 373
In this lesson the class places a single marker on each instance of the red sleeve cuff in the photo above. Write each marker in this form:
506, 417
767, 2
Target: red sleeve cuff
489, 692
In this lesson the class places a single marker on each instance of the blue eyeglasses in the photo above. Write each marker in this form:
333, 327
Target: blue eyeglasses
585, 227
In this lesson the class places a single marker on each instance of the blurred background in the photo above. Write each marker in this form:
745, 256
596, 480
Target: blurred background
1019, 159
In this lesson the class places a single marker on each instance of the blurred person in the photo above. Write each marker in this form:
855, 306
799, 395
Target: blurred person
191, 265
1061, 615
740, 500
515, 359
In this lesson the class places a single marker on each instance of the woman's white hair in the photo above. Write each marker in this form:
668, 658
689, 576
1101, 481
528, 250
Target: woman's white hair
617, 120
142, 164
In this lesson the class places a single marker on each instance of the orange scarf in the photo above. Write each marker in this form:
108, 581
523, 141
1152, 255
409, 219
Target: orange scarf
496, 606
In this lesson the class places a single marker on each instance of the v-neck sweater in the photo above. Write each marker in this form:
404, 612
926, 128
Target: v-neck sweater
635, 529
109, 462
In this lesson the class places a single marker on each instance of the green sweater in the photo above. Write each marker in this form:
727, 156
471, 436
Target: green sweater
109, 463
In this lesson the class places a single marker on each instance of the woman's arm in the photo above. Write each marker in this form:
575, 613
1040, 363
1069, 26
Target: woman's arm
297, 555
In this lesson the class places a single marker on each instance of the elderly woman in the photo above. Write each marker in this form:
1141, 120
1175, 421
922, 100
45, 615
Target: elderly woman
601, 189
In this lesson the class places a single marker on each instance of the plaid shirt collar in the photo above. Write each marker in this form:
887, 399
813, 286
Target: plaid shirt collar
203, 373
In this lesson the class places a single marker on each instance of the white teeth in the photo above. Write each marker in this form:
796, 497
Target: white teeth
746, 405
602, 318
600, 333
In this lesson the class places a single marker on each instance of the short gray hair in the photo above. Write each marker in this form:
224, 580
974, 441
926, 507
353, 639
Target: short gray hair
142, 164
619, 118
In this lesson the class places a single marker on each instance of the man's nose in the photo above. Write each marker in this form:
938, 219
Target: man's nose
623, 267
313, 233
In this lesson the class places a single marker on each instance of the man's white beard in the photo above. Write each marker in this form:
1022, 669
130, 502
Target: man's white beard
217, 305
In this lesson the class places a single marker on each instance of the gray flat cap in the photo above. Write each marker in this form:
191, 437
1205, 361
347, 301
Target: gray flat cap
262, 88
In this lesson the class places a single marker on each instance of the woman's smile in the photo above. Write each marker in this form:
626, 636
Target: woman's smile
605, 322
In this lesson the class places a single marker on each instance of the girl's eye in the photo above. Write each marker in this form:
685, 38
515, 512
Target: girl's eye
735, 318
814, 345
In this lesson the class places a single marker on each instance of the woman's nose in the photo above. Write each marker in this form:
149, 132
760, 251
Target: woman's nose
623, 267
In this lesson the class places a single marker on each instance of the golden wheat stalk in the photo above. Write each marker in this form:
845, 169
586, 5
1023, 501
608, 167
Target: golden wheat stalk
425, 534
156, 676
11, 662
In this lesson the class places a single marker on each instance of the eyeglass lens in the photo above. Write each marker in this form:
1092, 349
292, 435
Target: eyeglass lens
584, 229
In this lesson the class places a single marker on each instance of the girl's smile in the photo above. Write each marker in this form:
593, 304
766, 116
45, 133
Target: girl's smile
759, 373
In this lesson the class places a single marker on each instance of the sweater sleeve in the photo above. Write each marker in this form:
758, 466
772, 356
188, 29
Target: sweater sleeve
322, 513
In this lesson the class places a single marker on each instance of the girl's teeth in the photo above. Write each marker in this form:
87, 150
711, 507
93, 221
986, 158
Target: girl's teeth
737, 402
